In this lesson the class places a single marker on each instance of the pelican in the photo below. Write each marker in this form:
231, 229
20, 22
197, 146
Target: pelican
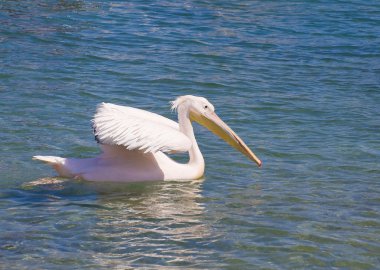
135, 144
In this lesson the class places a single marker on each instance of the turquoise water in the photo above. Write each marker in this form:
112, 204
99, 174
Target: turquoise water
299, 81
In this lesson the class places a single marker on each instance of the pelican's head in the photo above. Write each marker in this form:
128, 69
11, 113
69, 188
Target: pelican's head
203, 112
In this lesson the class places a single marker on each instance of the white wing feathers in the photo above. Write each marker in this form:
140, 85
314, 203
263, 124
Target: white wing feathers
138, 129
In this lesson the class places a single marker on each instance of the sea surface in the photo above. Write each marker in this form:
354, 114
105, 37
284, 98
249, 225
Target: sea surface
299, 81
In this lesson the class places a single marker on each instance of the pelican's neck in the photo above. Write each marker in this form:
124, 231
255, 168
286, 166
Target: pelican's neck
185, 127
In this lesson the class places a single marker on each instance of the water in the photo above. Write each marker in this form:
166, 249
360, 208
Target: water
298, 80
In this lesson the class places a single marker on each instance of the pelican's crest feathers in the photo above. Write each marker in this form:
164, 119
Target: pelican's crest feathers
178, 101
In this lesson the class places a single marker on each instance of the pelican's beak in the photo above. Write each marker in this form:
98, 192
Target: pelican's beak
211, 121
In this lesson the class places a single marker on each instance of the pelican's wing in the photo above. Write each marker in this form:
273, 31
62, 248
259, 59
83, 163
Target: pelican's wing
138, 129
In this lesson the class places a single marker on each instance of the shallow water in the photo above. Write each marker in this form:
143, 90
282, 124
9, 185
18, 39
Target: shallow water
298, 81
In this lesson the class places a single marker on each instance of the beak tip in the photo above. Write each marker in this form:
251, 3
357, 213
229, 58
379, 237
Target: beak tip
260, 164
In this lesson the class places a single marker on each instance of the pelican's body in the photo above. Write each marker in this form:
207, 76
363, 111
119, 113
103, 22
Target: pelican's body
135, 142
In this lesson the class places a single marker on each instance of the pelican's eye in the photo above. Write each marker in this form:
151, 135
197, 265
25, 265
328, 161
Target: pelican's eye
206, 106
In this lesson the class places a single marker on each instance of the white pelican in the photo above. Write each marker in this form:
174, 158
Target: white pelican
134, 143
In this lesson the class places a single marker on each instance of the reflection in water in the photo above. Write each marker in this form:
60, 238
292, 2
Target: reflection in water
47, 183
158, 223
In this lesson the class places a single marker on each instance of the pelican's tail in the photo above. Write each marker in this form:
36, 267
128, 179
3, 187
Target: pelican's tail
57, 163
51, 160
